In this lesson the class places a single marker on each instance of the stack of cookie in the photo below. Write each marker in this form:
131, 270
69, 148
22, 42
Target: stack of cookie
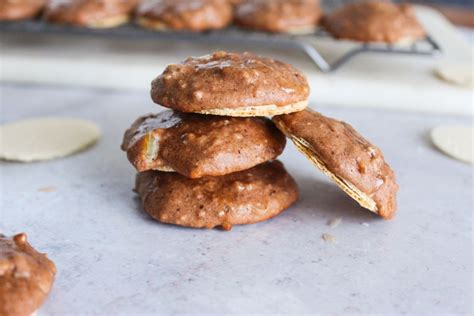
209, 161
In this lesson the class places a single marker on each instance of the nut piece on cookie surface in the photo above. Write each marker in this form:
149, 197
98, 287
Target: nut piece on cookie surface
20, 9
90, 13
279, 16
352, 162
26, 276
374, 21
201, 145
231, 84
244, 197
184, 15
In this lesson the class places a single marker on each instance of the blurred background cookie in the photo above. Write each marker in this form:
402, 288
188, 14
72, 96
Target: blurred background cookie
201, 145
26, 276
231, 84
374, 21
279, 16
90, 13
245, 197
11, 10
184, 15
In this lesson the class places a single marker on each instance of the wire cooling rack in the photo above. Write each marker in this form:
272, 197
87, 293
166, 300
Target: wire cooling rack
306, 43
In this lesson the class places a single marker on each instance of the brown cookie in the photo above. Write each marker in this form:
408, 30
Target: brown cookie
244, 197
26, 276
279, 16
20, 9
231, 84
375, 21
356, 165
184, 15
198, 145
90, 13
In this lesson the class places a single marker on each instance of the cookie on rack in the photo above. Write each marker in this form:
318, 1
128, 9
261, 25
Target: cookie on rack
90, 13
244, 197
231, 84
26, 276
184, 15
20, 9
374, 21
201, 145
353, 163
279, 16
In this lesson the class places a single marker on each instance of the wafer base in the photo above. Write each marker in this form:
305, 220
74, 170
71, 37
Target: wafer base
304, 147
261, 110
109, 22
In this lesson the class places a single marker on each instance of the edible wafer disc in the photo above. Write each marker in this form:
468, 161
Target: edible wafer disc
46, 138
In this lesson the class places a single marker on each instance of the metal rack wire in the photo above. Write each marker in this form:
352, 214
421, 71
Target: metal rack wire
306, 43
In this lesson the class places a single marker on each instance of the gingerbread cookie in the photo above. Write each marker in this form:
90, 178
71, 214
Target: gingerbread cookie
20, 9
26, 276
357, 166
231, 84
279, 16
374, 21
201, 145
90, 13
184, 15
243, 197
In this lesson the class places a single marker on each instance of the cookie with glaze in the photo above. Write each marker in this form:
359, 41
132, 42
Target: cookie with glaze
244, 197
231, 84
26, 276
352, 162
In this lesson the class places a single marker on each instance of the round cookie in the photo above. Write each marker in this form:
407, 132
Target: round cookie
184, 15
20, 9
245, 197
374, 21
357, 166
231, 84
90, 13
26, 276
279, 16
198, 145
46, 138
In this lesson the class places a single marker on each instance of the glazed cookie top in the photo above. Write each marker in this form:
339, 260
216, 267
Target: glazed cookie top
85, 12
228, 80
344, 153
26, 276
201, 145
20, 9
245, 197
374, 21
191, 15
278, 15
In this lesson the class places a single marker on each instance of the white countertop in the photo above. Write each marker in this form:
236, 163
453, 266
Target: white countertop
113, 259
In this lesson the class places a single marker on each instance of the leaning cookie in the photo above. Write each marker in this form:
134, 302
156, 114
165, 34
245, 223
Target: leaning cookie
357, 166
244, 197
184, 15
26, 276
198, 145
279, 16
90, 13
374, 21
231, 84
20, 9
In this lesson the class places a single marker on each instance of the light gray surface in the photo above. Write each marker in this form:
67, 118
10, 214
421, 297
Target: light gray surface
113, 260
